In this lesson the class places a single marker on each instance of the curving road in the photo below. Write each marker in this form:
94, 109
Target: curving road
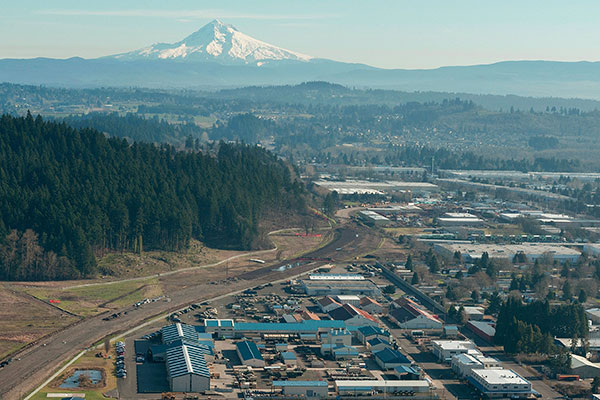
35, 364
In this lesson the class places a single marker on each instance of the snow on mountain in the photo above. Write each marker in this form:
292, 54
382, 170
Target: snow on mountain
218, 42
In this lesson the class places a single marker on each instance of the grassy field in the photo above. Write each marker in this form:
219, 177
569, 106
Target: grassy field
91, 300
24, 319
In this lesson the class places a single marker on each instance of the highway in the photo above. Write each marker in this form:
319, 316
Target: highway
35, 364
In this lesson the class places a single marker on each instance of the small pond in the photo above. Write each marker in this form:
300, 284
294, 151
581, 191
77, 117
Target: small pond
73, 380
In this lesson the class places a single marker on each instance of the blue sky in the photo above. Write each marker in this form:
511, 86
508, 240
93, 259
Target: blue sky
382, 33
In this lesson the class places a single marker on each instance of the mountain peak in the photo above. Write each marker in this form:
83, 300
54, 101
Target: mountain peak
217, 42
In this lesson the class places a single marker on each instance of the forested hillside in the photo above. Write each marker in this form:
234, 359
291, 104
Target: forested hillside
136, 128
66, 194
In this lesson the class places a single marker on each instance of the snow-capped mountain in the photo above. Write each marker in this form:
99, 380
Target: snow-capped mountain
217, 42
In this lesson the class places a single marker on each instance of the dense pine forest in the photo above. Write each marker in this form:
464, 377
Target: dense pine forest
68, 194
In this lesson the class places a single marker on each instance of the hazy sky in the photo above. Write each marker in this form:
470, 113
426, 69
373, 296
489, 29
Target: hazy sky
389, 34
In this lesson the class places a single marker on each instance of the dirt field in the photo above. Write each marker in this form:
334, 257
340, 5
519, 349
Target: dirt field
25, 320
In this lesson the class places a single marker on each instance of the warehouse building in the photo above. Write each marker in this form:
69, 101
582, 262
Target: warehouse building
583, 367
221, 327
370, 305
348, 299
340, 337
533, 251
187, 370
372, 218
352, 316
249, 354
323, 287
484, 329
365, 333
327, 304
389, 358
282, 329
171, 333
444, 350
409, 315
500, 383
370, 387
302, 389
459, 219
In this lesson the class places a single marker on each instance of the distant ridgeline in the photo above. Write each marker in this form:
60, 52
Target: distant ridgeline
66, 194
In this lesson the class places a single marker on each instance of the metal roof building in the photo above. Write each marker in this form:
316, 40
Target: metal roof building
177, 331
306, 389
187, 370
257, 329
249, 354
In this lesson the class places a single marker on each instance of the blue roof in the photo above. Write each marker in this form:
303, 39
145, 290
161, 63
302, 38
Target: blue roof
402, 369
182, 360
202, 335
203, 348
178, 331
372, 330
288, 355
345, 350
375, 341
248, 350
297, 327
211, 322
339, 332
391, 356
299, 383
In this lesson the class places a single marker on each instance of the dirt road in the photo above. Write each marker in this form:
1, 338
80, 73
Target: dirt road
32, 366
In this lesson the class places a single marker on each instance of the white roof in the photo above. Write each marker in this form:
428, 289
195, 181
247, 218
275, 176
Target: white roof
347, 297
500, 376
454, 344
578, 362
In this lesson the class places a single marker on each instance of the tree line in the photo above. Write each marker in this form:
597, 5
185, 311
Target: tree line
530, 328
68, 194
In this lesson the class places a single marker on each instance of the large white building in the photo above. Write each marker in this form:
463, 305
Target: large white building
533, 251
302, 389
464, 364
409, 315
444, 350
187, 370
500, 383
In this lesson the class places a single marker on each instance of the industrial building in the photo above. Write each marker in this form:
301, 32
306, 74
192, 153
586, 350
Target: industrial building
302, 389
249, 354
409, 315
484, 329
370, 305
365, 333
371, 387
348, 299
327, 304
464, 364
187, 370
266, 329
444, 350
220, 327
352, 316
372, 218
352, 187
459, 219
583, 367
178, 331
500, 383
323, 287
389, 358
339, 337
471, 251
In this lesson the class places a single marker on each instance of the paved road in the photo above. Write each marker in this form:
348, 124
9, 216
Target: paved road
38, 362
